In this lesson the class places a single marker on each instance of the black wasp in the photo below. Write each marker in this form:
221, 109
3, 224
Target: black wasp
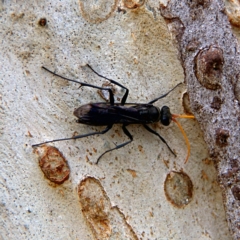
107, 114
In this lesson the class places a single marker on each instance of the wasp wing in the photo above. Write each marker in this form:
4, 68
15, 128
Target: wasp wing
102, 114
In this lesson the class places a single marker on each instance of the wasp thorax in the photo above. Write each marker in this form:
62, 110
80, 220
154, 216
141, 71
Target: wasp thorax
166, 116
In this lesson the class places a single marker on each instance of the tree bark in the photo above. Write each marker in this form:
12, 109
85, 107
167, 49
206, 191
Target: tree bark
210, 57
142, 190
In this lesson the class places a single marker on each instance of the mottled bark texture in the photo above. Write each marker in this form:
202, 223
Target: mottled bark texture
210, 58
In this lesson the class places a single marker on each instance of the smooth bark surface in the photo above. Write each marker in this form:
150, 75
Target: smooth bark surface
141, 191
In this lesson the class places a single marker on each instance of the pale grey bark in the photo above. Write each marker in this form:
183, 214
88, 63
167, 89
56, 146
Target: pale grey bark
134, 47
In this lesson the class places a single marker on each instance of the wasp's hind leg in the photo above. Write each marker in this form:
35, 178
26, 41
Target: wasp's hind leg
120, 145
75, 137
157, 134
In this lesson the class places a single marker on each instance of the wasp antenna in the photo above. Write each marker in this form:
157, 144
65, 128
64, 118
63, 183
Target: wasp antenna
182, 116
183, 132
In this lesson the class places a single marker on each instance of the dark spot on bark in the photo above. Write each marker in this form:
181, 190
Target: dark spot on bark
236, 192
209, 66
119, 9
234, 163
216, 103
197, 106
42, 22
196, 8
221, 137
192, 45
197, 3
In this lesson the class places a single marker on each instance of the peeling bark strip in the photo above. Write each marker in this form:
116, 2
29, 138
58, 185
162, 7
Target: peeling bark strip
209, 55
105, 221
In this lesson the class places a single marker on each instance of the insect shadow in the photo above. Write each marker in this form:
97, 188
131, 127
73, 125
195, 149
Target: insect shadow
110, 113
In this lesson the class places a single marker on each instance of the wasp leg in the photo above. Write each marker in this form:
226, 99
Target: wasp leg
164, 95
75, 137
157, 134
120, 145
115, 82
84, 84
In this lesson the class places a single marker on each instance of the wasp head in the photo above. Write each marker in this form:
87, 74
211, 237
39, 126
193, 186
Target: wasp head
165, 116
